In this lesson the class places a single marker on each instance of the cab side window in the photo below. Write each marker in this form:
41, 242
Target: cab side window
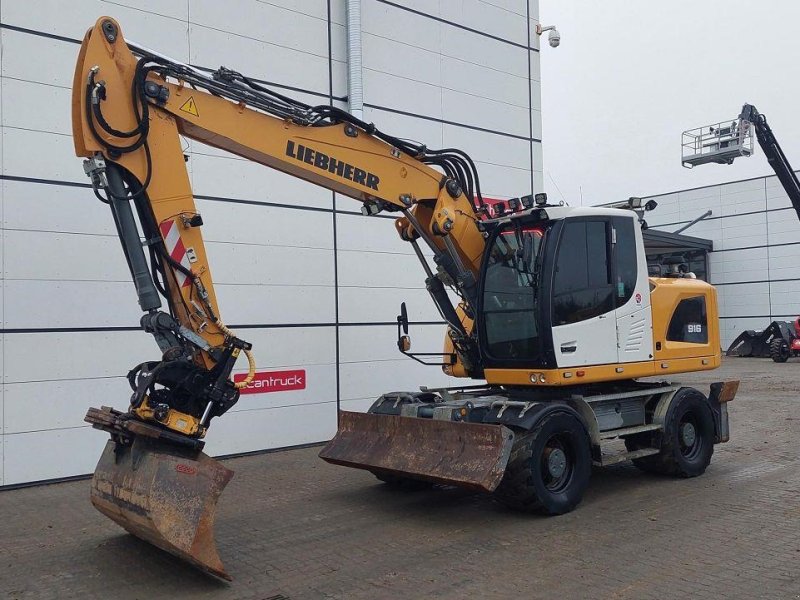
582, 285
624, 259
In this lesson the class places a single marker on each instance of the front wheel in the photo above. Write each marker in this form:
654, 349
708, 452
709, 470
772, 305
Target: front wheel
779, 350
549, 467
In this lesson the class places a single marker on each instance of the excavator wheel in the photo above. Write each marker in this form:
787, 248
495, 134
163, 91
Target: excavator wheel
398, 482
687, 442
549, 467
779, 350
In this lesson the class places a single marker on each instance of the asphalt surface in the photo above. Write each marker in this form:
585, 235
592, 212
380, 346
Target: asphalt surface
292, 526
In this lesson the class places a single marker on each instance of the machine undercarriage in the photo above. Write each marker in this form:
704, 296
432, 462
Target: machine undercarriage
472, 436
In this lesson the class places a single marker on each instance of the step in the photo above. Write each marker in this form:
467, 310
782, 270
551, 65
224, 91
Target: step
613, 459
615, 433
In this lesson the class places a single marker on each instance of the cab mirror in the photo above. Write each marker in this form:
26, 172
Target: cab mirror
402, 318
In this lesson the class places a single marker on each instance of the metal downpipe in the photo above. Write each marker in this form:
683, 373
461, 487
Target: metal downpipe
355, 82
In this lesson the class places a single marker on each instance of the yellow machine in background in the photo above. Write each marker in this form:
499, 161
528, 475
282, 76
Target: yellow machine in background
555, 318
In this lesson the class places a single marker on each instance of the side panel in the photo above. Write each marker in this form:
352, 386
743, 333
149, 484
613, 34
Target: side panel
635, 318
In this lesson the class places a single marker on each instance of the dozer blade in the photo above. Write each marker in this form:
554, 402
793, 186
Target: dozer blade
470, 455
164, 495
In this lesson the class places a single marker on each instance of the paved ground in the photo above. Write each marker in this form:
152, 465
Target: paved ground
292, 526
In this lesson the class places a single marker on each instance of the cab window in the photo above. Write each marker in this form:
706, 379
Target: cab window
582, 284
509, 294
624, 259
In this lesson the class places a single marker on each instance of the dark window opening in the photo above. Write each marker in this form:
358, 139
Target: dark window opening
582, 286
689, 322
509, 294
625, 259
696, 260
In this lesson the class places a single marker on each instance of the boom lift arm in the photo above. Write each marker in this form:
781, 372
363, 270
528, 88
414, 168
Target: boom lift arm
773, 151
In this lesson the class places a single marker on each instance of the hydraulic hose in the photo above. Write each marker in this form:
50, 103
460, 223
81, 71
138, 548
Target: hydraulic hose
251, 361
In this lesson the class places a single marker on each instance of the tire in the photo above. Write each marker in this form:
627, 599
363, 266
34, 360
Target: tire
529, 484
687, 442
779, 350
407, 484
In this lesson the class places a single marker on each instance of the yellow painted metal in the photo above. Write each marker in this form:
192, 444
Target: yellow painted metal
665, 294
174, 420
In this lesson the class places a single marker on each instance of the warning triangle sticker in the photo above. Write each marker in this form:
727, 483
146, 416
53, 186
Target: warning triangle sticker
190, 107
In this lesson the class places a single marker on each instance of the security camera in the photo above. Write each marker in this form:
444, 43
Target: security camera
553, 37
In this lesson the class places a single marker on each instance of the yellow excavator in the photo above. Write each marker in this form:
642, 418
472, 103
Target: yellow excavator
555, 316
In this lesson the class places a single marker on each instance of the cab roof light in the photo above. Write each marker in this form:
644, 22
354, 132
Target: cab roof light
540, 199
513, 205
527, 201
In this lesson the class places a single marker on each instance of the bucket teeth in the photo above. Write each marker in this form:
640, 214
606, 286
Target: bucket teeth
471, 455
165, 495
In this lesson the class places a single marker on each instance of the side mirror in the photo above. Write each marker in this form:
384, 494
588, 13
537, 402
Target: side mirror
402, 318
403, 340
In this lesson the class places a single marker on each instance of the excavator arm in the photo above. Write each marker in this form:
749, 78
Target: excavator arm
130, 107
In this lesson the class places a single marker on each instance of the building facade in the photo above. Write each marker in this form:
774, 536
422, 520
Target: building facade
298, 271
755, 260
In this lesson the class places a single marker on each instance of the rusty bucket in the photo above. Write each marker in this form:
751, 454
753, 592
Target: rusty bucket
470, 455
164, 495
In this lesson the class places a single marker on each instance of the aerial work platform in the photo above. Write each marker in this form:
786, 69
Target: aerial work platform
719, 143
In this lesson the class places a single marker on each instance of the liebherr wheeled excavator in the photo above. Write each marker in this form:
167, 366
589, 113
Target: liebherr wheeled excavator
555, 316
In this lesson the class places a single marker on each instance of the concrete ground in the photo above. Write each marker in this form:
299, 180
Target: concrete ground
291, 526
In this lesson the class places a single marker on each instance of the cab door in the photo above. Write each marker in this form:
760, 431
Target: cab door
584, 324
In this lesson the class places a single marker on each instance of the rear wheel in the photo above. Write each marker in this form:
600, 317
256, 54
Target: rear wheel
549, 467
779, 350
687, 442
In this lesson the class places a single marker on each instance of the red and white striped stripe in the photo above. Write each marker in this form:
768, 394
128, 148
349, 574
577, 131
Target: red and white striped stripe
176, 249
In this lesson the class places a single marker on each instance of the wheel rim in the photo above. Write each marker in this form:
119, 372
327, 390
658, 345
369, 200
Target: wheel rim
689, 436
558, 463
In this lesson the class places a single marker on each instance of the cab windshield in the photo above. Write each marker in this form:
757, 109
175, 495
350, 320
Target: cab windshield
510, 293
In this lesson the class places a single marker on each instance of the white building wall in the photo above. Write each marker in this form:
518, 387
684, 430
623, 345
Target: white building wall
299, 272
755, 264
